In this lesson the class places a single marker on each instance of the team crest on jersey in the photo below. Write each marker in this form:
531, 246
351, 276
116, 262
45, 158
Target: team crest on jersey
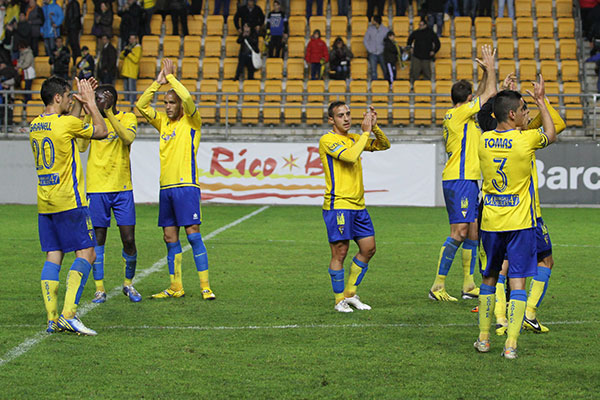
167, 137
341, 221
464, 204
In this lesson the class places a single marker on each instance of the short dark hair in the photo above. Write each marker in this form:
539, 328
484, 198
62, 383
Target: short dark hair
377, 18
53, 86
317, 31
85, 48
460, 91
390, 34
506, 101
111, 89
333, 106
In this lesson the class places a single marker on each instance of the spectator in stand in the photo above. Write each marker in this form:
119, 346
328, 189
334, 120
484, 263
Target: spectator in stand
61, 59
35, 17
339, 60
372, 4
73, 27
250, 14
149, 7
424, 43
455, 9
8, 43
248, 41
391, 55
401, 7
435, 14
277, 30
25, 65
85, 66
485, 8
222, 4
179, 12
23, 31
470, 8
130, 67
196, 8
511, 8
373, 42
103, 20
53, 19
132, 21
9, 79
107, 62
344, 7
309, 4
587, 20
317, 55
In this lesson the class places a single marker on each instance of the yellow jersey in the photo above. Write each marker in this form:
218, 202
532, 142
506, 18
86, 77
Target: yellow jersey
461, 137
108, 166
60, 176
343, 176
179, 140
507, 159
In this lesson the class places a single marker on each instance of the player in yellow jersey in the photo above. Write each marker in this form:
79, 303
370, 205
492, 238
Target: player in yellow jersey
509, 214
63, 217
179, 202
459, 179
344, 209
109, 187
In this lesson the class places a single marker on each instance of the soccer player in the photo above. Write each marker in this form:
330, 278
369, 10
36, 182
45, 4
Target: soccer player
539, 283
508, 225
63, 217
459, 179
109, 187
344, 209
179, 200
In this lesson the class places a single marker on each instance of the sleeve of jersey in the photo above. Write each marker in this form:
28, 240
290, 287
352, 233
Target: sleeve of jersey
537, 138
126, 128
346, 153
381, 142
143, 105
559, 123
189, 107
78, 128
469, 109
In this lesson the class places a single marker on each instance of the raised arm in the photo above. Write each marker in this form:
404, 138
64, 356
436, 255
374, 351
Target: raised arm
87, 98
189, 107
352, 154
487, 63
381, 142
143, 103
127, 134
559, 123
539, 98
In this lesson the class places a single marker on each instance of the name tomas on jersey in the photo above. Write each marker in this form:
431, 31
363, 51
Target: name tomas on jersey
498, 143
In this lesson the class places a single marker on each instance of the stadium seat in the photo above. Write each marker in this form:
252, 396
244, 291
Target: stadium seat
191, 46
564, 8
298, 8
147, 67
34, 109
401, 113
171, 46
293, 102
358, 48
357, 110
443, 70
339, 27
210, 68
401, 26
195, 26
445, 51
250, 112
116, 23
522, 9
464, 69
295, 68
566, 28
357, 91
86, 40
297, 26
547, 49
552, 92
274, 68
336, 90
150, 46
359, 26
527, 71
207, 110
88, 23
230, 66
229, 92
463, 47
320, 23
526, 49
525, 28
401, 89
231, 31
422, 87
443, 89
296, 46
209, 89
272, 112
358, 69
273, 90
545, 28
156, 23
214, 25
315, 113
296, 88
574, 117
422, 114
549, 70
568, 49
479, 43
504, 27
212, 46
506, 49
42, 66
232, 47
569, 70
379, 91
543, 8
462, 26
483, 27
572, 88
505, 67
189, 68
359, 7
383, 113
316, 87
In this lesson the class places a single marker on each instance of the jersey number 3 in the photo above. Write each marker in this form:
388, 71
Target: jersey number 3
500, 187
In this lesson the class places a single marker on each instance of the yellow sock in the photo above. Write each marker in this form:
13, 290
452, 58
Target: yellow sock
469, 257
100, 286
500, 309
486, 309
338, 297
357, 272
439, 283
50, 293
74, 279
176, 279
516, 312
127, 282
535, 292
203, 275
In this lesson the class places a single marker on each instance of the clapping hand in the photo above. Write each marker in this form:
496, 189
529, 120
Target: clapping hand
539, 91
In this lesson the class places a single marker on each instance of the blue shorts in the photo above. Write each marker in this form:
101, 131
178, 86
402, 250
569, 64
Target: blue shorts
544, 245
518, 247
121, 203
461, 198
66, 231
348, 224
179, 206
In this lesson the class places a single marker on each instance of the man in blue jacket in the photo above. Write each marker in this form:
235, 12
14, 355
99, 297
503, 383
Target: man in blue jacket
53, 19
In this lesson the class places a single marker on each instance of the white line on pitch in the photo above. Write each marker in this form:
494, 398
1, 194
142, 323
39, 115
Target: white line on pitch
87, 307
414, 243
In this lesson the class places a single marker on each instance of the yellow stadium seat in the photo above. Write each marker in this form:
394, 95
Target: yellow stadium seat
295, 68
552, 92
358, 48
506, 49
422, 87
445, 48
527, 71
504, 27
189, 68
156, 23
191, 46
545, 28
379, 91
401, 113
422, 114
566, 28
231, 31
525, 27
339, 27
34, 109
150, 46
547, 49
400, 89
462, 26
42, 66
210, 68
147, 67
229, 68
298, 7
441, 107
214, 25
274, 68
315, 113
568, 49
569, 70
522, 8
293, 102
89, 41
212, 46
88, 23
296, 88
443, 70
273, 90
359, 7
564, 8
251, 90
250, 112
320, 23
481, 42
336, 90
317, 87
401, 26
171, 46
464, 69
572, 88
463, 47
443, 89
359, 26
297, 26
574, 117
358, 90
358, 69
209, 89
549, 70
207, 110
506, 67
230, 92
296, 47
526, 49
195, 26
232, 47
293, 113
543, 8
116, 23
357, 110
483, 27
272, 112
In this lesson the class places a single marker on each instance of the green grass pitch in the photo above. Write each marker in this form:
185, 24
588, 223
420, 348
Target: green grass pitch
272, 332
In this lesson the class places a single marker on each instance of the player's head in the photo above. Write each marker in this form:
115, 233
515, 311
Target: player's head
509, 106
173, 106
56, 91
103, 102
338, 115
462, 91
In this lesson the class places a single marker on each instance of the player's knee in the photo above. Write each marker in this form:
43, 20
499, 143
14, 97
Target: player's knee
129, 245
169, 238
548, 262
370, 252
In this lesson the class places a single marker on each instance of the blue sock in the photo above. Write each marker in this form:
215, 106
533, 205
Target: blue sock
486, 289
199, 249
99, 264
50, 271
172, 249
502, 279
471, 245
449, 250
83, 266
520, 295
337, 280
543, 275
130, 264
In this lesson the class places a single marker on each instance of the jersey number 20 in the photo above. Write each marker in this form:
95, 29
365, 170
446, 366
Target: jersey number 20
41, 159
